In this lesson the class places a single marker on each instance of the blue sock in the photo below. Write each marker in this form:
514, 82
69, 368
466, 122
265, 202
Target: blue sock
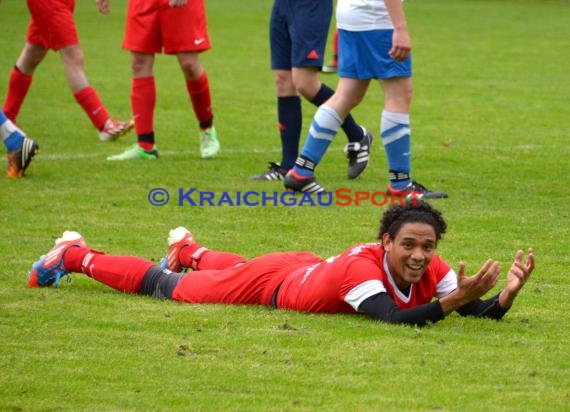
290, 119
352, 130
324, 128
12, 136
395, 132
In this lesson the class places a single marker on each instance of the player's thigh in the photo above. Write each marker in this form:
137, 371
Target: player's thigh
397, 93
364, 55
185, 29
52, 25
309, 22
279, 38
142, 30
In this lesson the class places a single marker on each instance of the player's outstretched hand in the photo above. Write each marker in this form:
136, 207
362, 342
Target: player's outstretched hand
473, 287
517, 276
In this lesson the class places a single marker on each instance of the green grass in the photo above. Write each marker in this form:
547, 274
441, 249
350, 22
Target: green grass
490, 122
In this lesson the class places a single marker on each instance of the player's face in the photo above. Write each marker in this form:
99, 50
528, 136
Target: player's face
410, 252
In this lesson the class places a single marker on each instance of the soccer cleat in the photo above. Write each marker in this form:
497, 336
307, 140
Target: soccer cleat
19, 160
297, 183
135, 152
177, 239
275, 172
358, 154
114, 129
416, 190
209, 144
49, 269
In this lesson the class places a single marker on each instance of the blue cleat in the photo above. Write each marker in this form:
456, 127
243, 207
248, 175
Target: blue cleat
49, 269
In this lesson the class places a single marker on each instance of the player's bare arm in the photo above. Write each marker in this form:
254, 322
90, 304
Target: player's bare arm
401, 41
517, 276
470, 288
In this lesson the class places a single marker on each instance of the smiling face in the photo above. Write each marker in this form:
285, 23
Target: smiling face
410, 252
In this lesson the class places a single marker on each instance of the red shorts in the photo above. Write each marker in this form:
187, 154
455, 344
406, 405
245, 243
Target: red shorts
154, 26
252, 283
52, 25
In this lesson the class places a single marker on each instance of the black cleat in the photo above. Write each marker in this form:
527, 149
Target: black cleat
19, 160
298, 184
416, 190
358, 154
275, 172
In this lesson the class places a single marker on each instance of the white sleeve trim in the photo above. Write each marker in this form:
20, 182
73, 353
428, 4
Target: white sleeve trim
363, 291
447, 284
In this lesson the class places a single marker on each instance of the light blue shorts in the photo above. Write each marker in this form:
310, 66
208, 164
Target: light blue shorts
364, 55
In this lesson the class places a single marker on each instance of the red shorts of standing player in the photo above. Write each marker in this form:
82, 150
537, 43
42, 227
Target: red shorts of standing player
176, 27
52, 27
398, 279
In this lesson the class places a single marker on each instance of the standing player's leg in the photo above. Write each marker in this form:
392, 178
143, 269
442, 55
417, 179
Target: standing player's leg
289, 114
143, 102
198, 87
396, 138
21, 78
324, 127
87, 97
21, 148
184, 32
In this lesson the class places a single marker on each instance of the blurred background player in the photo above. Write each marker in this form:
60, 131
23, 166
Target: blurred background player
52, 27
374, 43
298, 33
176, 27
21, 148
333, 66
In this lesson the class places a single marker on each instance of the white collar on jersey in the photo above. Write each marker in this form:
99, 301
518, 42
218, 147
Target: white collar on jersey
397, 291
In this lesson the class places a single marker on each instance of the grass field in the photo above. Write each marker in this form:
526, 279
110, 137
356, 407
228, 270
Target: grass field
491, 118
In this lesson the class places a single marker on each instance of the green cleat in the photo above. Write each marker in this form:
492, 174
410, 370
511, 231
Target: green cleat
135, 152
209, 144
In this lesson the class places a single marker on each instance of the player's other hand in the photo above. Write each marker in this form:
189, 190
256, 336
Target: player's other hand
517, 276
401, 44
177, 3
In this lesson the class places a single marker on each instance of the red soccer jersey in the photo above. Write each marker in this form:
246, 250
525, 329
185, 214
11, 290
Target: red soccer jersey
343, 282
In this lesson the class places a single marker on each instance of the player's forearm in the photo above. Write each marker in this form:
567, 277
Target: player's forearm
383, 308
396, 12
506, 299
489, 308
453, 301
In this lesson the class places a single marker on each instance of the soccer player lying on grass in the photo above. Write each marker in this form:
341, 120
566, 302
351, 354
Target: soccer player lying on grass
394, 280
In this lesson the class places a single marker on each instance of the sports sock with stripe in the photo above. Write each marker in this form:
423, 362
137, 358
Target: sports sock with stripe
324, 128
395, 132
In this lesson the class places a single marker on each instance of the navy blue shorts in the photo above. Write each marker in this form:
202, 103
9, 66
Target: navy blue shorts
364, 55
298, 31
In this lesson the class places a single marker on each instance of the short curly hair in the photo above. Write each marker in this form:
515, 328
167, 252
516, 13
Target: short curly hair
417, 211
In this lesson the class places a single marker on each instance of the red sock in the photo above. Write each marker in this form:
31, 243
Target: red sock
199, 91
92, 106
198, 257
18, 86
143, 100
123, 273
